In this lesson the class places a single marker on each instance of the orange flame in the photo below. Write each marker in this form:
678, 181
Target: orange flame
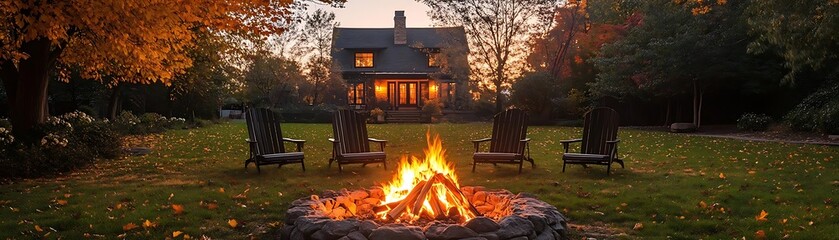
412, 172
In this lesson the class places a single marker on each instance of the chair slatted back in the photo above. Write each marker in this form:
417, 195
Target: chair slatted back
350, 130
508, 129
264, 128
601, 125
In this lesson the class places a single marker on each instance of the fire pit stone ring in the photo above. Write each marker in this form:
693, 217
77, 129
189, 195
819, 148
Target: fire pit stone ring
348, 215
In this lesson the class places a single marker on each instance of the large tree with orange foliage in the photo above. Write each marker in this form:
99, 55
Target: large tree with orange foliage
125, 40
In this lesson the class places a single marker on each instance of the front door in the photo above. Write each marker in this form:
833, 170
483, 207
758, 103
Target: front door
407, 94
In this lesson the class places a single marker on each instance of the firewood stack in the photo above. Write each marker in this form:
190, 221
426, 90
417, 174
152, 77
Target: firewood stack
347, 204
493, 204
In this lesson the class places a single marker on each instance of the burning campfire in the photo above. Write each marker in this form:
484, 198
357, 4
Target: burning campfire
426, 188
424, 200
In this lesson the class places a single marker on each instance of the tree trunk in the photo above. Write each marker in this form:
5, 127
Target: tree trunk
27, 85
695, 104
699, 111
499, 99
113, 103
667, 114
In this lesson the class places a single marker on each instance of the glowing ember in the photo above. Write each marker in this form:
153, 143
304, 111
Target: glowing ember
426, 188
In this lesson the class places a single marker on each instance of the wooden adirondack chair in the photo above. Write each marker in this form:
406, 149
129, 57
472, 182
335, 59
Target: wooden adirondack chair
599, 142
509, 142
266, 142
350, 144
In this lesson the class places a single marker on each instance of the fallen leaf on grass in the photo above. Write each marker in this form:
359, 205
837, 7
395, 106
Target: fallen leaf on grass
760, 234
129, 226
762, 216
702, 204
149, 224
38, 228
232, 223
61, 202
212, 206
242, 195
722, 176
638, 226
178, 208
221, 190
176, 234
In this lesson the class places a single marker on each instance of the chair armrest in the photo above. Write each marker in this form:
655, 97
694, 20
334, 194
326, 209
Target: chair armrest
614, 142
297, 142
565, 143
478, 142
332, 140
525, 140
380, 141
294, 140
249, 140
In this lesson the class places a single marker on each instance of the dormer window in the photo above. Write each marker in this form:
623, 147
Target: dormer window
434, 59
363, 59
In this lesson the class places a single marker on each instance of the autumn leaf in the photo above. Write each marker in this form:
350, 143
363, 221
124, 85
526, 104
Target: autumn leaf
762, 216
760, 234
212, 206
221, 190
129, 226
242, 195
176, 234
703, 205
61, 202
149, 224
722, 176
38, 228
179, 209
233, 223
638, 226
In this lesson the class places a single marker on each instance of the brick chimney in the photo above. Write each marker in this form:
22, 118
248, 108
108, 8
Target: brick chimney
400, 35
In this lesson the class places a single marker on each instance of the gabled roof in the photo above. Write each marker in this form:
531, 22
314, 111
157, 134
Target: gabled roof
373, 38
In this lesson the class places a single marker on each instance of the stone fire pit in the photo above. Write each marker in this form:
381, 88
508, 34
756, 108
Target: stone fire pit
349, 215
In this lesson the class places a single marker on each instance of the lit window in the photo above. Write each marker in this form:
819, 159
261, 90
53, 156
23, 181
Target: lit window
364, 60
355, 93
434, 59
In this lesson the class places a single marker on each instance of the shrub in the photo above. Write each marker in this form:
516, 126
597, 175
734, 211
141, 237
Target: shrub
754, 122
126, 122
432, 108
60, 144
90, 111
153, 123
818, 112
321, 113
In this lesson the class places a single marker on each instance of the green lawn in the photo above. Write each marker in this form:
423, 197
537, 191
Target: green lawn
669, 177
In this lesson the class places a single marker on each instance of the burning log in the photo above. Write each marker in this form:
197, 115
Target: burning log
420, 199
459, 198
397, 211
436, 206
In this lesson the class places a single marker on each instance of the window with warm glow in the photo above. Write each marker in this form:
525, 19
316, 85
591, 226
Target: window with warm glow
363, 59
355, 93
434, 59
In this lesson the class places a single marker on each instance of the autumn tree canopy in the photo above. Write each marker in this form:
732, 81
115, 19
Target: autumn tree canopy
498, 32
129, 41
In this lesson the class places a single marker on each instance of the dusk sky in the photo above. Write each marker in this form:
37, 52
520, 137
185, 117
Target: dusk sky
378, 13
